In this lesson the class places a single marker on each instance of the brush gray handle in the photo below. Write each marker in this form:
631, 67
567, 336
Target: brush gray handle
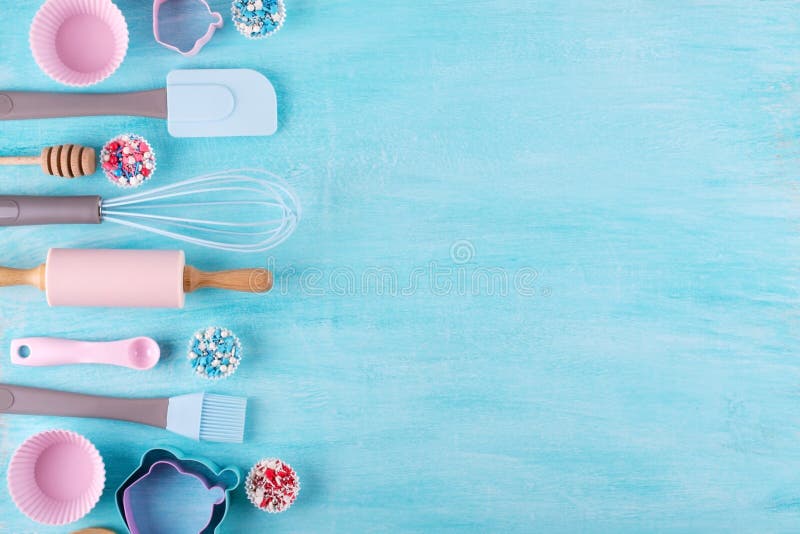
37, 401
42, 105
21, 210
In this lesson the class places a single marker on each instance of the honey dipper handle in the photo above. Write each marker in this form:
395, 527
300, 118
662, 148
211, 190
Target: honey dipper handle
68, 161
23, 277
20, 160
251, 280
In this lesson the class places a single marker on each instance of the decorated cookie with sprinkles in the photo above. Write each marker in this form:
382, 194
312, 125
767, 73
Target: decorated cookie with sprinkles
128, 160
214, 353
272, 485
256, 19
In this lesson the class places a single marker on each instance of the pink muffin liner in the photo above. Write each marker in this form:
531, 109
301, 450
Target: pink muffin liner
56, 477
79, 42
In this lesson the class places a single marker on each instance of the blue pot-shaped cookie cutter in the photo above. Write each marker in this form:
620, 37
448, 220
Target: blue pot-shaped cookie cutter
175, 494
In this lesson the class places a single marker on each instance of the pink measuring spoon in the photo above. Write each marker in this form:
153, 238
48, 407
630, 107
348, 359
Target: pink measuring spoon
139, 353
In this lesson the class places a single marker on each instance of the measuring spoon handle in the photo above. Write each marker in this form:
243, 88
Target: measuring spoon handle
49, 351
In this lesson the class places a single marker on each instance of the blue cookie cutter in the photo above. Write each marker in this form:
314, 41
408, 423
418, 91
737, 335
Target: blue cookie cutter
175, 494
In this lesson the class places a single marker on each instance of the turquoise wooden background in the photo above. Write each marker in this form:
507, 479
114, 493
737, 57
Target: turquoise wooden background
630, 167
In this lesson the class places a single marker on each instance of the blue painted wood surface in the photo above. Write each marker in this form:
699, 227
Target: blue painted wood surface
629, 168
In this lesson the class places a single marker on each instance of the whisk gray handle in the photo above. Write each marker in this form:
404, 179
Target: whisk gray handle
20, 210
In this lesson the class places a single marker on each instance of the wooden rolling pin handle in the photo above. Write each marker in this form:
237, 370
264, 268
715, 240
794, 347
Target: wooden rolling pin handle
23, 277
249, 280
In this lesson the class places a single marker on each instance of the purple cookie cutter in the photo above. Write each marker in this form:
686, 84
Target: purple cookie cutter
170, 39
172, 494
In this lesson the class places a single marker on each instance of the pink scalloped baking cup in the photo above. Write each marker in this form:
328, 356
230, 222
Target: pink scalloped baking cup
79, 42
56, 477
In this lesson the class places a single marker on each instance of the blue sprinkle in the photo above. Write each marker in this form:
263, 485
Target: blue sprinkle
225, 348
259, 22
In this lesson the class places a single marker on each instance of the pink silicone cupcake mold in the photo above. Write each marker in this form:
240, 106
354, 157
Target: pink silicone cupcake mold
56, 477
79, 42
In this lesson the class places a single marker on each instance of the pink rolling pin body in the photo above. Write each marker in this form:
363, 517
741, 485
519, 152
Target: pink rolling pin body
109, 277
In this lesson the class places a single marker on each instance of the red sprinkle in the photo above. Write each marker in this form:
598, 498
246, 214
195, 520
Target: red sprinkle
128, 160
272, 485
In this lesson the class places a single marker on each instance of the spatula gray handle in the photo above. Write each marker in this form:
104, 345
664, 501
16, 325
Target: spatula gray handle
41, 105
21, 210
38, 401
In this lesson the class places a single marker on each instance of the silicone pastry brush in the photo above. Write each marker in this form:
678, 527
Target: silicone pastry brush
201, 416
127, 278
244, 210
67, 161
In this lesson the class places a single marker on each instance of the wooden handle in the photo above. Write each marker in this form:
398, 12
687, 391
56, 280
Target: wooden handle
23, 277
68, 161
251, 280
20, 160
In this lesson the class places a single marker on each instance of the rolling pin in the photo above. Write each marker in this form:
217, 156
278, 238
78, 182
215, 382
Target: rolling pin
69, 161
127, 278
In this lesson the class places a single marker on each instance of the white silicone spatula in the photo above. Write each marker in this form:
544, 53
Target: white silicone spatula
139, 353
196, 103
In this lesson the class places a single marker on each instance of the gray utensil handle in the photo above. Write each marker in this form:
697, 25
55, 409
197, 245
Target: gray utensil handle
42, 105
38, 401
21, 210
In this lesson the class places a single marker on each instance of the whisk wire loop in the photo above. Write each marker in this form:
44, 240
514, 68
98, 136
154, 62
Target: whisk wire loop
223, 210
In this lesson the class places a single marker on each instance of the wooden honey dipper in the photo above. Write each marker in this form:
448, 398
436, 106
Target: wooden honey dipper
68, 161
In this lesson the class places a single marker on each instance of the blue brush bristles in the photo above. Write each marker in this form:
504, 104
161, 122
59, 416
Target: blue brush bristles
207, 417
223, 418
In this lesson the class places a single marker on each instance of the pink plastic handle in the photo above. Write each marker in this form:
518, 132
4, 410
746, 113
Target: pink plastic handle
135, 353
